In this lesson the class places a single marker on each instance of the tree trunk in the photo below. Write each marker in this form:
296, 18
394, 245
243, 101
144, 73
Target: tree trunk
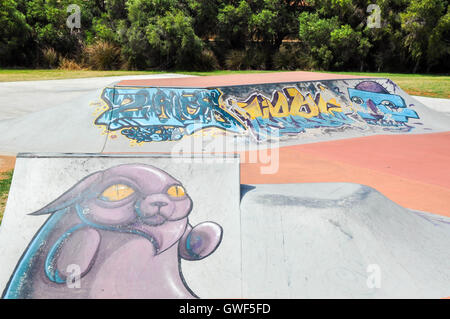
273, 48
416, 66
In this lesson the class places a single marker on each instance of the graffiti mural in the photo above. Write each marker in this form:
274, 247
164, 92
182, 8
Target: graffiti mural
289, 112
117, 233
154, 114
378, 107
263, 112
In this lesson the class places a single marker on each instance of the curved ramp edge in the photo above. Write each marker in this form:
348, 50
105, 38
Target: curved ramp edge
340, 240
156, 119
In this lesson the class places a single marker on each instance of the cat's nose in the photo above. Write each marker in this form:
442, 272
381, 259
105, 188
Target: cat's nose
159, 204
155, 204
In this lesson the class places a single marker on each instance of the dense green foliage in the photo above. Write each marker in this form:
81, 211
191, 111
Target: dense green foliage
14, 34
5, 184
411, 35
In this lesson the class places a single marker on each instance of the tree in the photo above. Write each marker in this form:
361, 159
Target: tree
173, 36
350, 48
273, 21
108, 17
352, 12
204, 15
323, 34
423, 24
48, 18
387, 40
315, 35
438, 50
161, 35
233, 22
14, 35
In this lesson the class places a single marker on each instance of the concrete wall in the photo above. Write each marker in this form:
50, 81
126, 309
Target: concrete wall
143, 117
118, 257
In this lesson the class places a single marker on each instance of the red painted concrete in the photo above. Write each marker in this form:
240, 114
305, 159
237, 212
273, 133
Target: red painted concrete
411, 170
238, 79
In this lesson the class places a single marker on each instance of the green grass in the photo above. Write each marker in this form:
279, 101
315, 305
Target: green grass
225, 72
414, 84
5, 184
10, 75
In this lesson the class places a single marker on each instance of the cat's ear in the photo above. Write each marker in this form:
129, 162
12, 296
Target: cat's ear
73, 195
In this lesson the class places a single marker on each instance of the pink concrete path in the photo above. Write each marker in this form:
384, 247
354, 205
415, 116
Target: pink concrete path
238, 79
412, 170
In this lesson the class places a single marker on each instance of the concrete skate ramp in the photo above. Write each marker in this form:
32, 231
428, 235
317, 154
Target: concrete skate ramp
154, 115
53, 115
96, 226
410, 169
340, 240
87, 215
82, 226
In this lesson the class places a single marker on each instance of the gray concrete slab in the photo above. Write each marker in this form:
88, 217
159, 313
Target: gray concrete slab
339, 240
291, 113
116, 270
319, 240
53, 115
25, 97
437, 104
79, 116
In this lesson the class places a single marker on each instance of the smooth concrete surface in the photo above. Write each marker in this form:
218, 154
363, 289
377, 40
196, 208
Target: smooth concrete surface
437, 104
256, 133
212, 185
411, 170
25, 97
59, 116
304, 230
309, 240
53, 115
238, 79
339, 240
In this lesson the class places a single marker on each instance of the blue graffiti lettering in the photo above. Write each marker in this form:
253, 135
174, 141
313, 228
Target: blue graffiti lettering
378, 107
155, 114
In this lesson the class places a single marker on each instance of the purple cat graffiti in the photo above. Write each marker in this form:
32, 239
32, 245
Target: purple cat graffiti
118, 233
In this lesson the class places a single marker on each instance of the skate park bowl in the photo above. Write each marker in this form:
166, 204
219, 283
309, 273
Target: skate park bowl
335, 186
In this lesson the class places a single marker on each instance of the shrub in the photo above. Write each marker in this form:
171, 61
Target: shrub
257, 58
291, 57
103, 56
71, 65
236, 60
253, 58
207, 61
50, 58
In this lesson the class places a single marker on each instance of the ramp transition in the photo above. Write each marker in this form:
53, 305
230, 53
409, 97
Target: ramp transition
124, 226
146, 113
94, 226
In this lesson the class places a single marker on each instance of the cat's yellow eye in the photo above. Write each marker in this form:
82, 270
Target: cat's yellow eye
116, 192
176, 191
